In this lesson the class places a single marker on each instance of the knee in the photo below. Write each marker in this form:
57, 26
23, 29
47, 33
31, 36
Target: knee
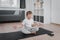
37, 29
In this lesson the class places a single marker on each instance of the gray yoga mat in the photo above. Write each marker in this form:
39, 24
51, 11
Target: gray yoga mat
20, 35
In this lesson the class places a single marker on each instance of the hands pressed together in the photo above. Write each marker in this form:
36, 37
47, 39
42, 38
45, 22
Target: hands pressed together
36, 24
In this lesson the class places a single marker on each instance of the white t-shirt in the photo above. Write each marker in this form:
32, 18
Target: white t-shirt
28, 22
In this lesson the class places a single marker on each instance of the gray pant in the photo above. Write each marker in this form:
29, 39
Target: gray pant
29, 30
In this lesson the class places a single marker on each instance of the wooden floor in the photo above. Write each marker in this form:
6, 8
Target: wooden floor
8, 27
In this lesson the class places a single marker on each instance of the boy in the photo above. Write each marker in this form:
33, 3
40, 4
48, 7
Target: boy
30, 27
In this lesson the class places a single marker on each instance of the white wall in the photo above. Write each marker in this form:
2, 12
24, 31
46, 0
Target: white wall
29, 5
47, 11
55, 18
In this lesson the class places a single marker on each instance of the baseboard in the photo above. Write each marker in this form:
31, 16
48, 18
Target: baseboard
55, 24
9, 21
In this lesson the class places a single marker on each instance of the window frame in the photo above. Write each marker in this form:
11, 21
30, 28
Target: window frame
11, 5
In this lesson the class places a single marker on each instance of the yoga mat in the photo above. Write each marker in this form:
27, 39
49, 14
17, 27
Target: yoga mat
20, 35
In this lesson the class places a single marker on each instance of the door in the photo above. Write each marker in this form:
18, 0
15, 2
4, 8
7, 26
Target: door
55, 15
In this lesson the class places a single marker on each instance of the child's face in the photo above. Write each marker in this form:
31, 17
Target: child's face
29, 16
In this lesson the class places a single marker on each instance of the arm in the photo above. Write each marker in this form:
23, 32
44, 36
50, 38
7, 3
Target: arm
20, 25
37, 24
34, 24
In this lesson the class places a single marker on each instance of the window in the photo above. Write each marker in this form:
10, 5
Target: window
8, 3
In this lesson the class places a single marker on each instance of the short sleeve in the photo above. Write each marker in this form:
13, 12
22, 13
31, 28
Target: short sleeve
32, 21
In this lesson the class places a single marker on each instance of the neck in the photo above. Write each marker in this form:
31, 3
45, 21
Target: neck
28, 18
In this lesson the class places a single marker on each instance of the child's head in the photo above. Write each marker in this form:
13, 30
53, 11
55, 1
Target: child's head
29, 14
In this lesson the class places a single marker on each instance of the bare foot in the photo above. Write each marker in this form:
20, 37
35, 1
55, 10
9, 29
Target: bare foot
33, 33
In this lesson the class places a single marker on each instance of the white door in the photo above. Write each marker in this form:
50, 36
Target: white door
55, 15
